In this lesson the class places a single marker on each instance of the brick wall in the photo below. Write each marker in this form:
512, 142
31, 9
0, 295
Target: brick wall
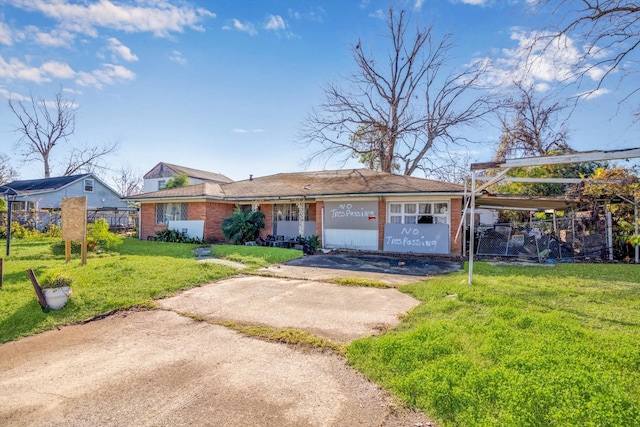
215, 214
267, 210
316, 215
210, 212
148, 226
382, 220
456, 217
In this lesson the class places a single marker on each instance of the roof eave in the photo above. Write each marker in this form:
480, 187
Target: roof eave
168, 198
341, 195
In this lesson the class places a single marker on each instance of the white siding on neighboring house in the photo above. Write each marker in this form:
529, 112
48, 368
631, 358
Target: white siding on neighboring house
155, 184
100, 197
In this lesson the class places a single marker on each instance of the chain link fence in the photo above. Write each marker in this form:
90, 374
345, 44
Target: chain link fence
564, 238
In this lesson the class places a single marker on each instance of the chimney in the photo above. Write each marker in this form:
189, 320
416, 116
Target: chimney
250, 177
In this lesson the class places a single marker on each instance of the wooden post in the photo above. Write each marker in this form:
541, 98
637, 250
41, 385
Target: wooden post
67, 250
37, 288
83, 251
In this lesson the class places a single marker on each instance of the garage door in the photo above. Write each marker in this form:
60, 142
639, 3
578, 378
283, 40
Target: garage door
352, 225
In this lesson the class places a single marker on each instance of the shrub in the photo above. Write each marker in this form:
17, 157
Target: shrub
176, 236
177, 181
18, 231
100, 235
243, 226
55, 280
53, 230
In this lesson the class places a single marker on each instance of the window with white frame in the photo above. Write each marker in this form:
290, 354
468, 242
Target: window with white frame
419, 213
289, 212
166, 212
23, 206
88, 185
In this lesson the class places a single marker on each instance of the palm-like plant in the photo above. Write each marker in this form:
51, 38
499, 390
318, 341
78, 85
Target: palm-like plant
243, 226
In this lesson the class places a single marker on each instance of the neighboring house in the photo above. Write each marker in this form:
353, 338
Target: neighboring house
348, 209
157, 178
40, 199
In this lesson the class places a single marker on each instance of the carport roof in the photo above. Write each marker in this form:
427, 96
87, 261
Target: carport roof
331, 183
532, 203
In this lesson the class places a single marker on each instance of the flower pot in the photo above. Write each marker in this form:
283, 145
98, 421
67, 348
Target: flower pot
56, 298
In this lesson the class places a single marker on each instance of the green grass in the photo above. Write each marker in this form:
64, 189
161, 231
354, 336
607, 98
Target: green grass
297, 337
140, 272
255, 256
523, 346
360, 282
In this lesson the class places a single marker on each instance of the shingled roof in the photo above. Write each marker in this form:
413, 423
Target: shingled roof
346, 182
44, 184
191, 173
334, 183
202, 190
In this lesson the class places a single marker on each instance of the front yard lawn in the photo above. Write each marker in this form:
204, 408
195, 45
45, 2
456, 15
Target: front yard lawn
140, 272
523, 346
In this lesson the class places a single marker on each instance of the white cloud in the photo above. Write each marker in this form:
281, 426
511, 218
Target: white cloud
592, 94
58, 70
475, 2
121, 50
18, 70
156, 16
246, 27
108, 74
10, 95
55, 38
540, 61
378, 14
314, 15
274, 22
5, 34
294, 14
237, 130
176, 56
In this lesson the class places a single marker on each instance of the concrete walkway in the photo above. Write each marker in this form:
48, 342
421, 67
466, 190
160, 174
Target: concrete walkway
339, 313
163, 368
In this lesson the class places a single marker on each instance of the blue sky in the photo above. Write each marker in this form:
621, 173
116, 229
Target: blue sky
225, 85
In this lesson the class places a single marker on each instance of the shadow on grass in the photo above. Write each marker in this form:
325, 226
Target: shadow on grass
22, 321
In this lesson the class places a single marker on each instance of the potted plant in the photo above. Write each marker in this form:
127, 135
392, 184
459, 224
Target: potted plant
56, 289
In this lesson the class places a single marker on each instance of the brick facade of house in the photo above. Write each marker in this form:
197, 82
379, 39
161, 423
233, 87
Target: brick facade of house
148, 226
456, 216
213, 213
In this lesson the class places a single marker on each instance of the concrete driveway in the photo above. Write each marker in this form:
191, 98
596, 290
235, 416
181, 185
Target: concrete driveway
163, 368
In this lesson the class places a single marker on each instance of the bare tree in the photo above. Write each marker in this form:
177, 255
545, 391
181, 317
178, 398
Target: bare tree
7, 172
127, 181
609, 33
45, 125
394, 112
532, 127
88, 159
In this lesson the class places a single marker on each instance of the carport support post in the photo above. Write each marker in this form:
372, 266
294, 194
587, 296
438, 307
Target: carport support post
472, 225
635, 215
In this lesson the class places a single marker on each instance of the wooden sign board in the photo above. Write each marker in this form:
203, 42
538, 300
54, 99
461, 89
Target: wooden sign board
74, 224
